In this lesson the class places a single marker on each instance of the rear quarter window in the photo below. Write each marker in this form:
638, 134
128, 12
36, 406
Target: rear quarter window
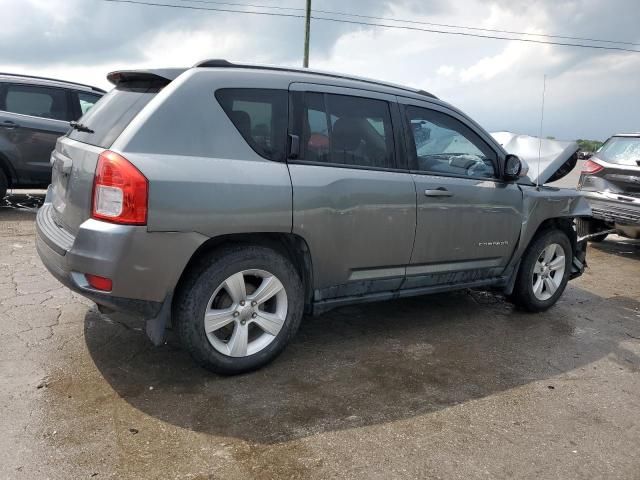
260, 115
112, 113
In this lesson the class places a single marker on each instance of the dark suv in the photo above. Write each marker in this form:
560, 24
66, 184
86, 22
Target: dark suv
34, 112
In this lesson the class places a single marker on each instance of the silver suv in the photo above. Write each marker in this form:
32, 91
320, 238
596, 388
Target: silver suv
34, 112
230, 199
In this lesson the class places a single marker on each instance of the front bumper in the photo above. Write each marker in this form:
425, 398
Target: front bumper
143, 266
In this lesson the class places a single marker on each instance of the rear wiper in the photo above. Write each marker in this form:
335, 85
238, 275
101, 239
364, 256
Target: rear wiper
80, 127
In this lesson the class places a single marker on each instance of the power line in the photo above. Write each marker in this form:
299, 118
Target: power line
466, 34
252, 5
190, 7
373, 24
415, 22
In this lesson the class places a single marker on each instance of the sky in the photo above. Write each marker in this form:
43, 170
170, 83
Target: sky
589, 93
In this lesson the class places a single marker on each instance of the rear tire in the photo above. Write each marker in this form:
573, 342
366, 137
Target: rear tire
4, 184
544, 271
252, 299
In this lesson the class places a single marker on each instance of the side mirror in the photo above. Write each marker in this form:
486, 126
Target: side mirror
512, 167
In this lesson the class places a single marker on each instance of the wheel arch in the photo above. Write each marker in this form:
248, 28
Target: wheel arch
292, 246
564, 224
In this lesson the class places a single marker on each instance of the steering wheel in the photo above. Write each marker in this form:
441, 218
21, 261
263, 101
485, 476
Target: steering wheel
477, 169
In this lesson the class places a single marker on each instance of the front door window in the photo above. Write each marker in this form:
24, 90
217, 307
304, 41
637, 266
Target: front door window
445, 146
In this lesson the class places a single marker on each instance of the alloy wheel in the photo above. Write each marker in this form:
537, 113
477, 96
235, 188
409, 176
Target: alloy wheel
548, 271
245, 313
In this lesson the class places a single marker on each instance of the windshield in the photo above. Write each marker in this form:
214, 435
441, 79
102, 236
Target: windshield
621, 150
111, 114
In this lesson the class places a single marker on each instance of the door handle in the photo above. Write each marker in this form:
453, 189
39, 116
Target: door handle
438, 192
9, 124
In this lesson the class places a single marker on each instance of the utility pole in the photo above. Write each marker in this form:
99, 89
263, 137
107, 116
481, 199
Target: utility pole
307, 28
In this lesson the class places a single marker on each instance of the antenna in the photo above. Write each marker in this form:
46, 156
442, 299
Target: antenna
544, 89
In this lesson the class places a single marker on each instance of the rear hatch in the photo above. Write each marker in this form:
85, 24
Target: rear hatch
619, 159
75, 157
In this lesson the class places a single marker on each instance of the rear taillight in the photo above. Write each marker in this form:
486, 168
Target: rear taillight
591, 167
120, 191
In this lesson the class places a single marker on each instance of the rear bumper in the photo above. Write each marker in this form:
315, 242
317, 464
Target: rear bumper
607, 207
56, 265
144, 267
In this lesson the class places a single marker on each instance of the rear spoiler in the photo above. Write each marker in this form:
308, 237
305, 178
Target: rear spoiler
160, 76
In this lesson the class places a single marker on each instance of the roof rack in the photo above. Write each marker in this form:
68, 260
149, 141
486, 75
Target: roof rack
221, 63
52, 80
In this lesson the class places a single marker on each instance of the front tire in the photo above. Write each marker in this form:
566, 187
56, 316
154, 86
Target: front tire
238, 308
544, 271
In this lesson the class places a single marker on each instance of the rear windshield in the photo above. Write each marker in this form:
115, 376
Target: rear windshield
621, 150
112, 113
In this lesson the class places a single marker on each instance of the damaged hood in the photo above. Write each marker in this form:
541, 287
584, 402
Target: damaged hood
557, 158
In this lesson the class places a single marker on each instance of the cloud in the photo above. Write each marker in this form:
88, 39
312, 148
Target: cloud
590, 92
490, 67
446, 70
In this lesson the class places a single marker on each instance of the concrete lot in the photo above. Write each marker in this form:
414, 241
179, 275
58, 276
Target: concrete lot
458, 385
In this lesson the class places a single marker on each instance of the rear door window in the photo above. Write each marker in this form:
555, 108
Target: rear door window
347, 130
109, 117
36, 101
260, 115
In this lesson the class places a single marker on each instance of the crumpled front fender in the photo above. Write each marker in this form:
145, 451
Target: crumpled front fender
547, 203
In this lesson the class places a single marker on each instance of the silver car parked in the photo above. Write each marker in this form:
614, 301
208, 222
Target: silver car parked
230, 199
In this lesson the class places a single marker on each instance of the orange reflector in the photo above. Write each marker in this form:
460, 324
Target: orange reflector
99, 283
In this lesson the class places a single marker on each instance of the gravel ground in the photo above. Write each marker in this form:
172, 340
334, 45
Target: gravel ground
457, 385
